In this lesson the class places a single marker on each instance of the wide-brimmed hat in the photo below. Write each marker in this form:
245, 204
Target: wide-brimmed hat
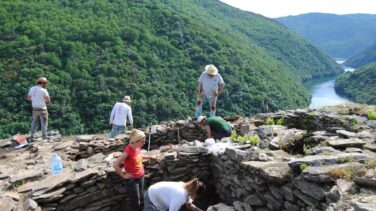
211, 69
42, 80
127, 99
201, 118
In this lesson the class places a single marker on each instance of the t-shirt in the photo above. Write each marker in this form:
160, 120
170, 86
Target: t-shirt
168, 195
217, 124
133, 163
119, 114
210, 84
38, 95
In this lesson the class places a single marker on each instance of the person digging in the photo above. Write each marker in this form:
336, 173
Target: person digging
216, 127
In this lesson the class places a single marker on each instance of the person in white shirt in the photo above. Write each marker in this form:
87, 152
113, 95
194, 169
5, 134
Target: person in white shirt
172, 196
39, 98
210, 86
119, 114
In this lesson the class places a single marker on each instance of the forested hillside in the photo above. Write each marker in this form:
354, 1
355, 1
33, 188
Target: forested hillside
95, 52
364, 57
359, 85
341, 36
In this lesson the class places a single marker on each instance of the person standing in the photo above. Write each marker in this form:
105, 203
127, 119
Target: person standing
210, 86
216, 127
172, 196
39, 98
133, 172
119, 114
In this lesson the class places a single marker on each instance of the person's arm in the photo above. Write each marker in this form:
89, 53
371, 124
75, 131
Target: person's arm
221, 88
28, 98
191, 206
47, 97
29, 95
199, 88
112, 115
117, 166
208, 131
151, 157
130, 117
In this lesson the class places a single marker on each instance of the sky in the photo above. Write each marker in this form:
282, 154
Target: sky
280, 8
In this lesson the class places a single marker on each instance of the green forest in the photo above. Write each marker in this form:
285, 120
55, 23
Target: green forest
94, 52
341, 36
359, 85
364, 57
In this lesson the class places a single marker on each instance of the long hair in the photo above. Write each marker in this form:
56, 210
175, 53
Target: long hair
195, 188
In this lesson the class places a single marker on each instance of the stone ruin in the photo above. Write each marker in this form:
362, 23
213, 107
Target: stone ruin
316, 160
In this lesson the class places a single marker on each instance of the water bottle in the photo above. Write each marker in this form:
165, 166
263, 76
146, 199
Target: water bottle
56, 164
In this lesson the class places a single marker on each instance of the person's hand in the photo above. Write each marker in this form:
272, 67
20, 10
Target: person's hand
153, 157
127, 175
110, 124
216, 93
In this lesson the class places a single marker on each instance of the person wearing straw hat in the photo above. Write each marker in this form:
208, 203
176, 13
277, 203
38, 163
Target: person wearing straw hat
129, 167
216, 127
118, 118
210, 86
39, 98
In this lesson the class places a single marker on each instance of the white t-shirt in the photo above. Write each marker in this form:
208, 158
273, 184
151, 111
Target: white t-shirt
119, 114
168, 195
38, 95
210, 84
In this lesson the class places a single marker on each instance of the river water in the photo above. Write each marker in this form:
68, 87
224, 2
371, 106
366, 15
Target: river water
322, 90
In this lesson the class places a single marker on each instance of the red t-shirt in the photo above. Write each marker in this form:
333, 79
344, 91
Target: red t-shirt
133, 163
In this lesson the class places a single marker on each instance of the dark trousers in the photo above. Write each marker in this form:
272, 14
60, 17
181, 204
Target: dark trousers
134, 188
219, 134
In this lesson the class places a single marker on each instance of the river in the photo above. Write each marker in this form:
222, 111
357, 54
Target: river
322, 90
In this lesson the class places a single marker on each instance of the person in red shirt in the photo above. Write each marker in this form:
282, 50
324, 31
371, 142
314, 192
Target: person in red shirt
133, 171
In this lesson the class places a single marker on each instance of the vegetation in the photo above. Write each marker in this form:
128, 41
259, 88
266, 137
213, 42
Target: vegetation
341, 36
279, 121
358, 85
304, 166
270, 121
246, 139
95, 52
371, 115
362, 58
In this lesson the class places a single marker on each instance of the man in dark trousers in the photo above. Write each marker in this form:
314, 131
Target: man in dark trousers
216, 127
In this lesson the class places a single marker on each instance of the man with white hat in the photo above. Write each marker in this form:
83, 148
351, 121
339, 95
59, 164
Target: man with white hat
210, 86
119, 114
39, 98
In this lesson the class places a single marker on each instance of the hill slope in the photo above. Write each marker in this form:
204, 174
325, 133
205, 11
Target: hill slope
364, 57
340, 35
95, 52
359, 85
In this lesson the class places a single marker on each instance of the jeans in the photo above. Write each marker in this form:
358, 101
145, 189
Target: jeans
42, 116
148, 205
134, 188
116, 129
212, 103
219, 134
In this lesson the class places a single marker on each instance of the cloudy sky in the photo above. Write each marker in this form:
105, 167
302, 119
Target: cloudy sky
279, 8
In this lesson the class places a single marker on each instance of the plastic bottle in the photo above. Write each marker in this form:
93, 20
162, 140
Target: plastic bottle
56, 164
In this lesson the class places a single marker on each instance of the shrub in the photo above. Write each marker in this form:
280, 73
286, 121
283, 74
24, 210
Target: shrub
280, 121
371, 115
270, 121
304, 166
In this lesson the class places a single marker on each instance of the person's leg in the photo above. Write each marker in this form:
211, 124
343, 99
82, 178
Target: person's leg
113, 131
213, 105
44, 123
131, 186
199, 102
141, 182
34, 123
148, 205
121, 130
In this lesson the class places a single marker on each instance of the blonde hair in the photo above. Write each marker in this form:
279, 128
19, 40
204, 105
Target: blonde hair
194, 187
136, 135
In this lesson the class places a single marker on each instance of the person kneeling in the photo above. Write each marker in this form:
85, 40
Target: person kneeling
172, 196
216, 127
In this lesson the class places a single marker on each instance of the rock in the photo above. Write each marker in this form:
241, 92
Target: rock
191, 149
365, 135
345, 133
371, 123
369, 180
343, 143
353, 150
367, 203
26, 175
5, 143
6, 204
240, 155
322, 160
345, 187
287, 193
323, 133
52, 182
85, 138
81, 165
220, 207
264, 131
83, 175
97, 158
274, 171
254, 200
291, 207
322, 174
13, 195
30, 205
288, 137
311, 189
370, 146
323, 150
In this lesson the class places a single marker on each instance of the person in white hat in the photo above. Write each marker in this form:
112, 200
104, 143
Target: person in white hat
119, 114
39, 98
210, 86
